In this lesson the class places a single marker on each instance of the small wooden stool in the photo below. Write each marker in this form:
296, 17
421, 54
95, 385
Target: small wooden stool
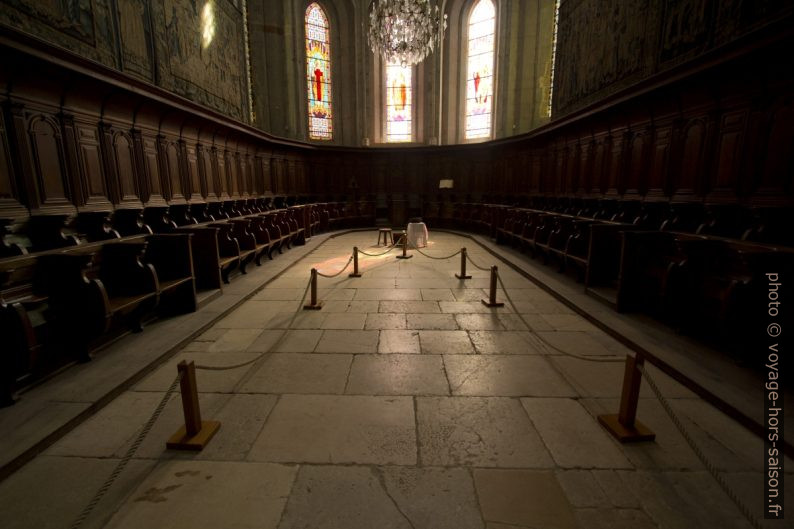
386, 232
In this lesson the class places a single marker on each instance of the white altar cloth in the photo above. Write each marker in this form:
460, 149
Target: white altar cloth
417, 234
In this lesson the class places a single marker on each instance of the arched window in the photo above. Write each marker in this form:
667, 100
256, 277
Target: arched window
318, 73
479, 70
399, 96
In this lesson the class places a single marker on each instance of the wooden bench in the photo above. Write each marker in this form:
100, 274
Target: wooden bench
22, 321
278, 239
229, 253
172, 257
91, 290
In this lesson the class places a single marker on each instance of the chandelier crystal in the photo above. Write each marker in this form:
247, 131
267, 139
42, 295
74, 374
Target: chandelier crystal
404, 31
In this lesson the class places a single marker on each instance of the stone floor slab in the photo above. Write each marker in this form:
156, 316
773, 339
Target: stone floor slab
344, 320
476, 431
300, 373
397, 374
434, 498
397, 341
339, 429
445, 342
341, 498
406, 307
431, 321
503, 342
523, 498
572, 435
208, 494
385, 321
504, 376
357, 342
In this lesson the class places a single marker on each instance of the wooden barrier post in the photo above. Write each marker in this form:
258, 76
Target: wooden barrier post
195, 434
313, 303
355, 263
404, 235
462, 274
625, 426
491, 301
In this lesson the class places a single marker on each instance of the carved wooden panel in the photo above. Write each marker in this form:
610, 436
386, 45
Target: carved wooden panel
43, 161
205, 171
615, 163
193, 188
126, 188
657, 185
690, 170
636, 170
778, 163
223, 174
601, 143
586, 152
170, 167
11, 201
149, 168
231, 175
725, 178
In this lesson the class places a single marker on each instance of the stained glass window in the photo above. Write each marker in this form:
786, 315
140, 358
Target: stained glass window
479, 72
398, 102
318, 73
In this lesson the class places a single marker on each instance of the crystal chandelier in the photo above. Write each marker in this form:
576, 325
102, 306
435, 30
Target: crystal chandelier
404, 31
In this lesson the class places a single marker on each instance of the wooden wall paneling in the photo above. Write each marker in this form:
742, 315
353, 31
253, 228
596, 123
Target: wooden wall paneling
259, 173
636, 174
657, 184
36, 137
775, 182
152, 181
42, 157
690, 164
571, 166
82, 106
123, 168
292, 178
189, 147
11, 199
230, 169
237, 170
303, 176
602, 146
726, 173
118, 153
171, 155
275, 170
246, 164
535, 170
615, 172
206, 164
585, 164
219, 151
267, 170
170, 166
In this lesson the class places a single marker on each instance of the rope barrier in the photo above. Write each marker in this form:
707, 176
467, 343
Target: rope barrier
475, 265
698, 452
128, 456
339, 272
249, 362
156, 414
430, 256
390, 248
549, 344
746, 512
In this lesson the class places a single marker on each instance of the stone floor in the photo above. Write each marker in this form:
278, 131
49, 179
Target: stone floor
403, 403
